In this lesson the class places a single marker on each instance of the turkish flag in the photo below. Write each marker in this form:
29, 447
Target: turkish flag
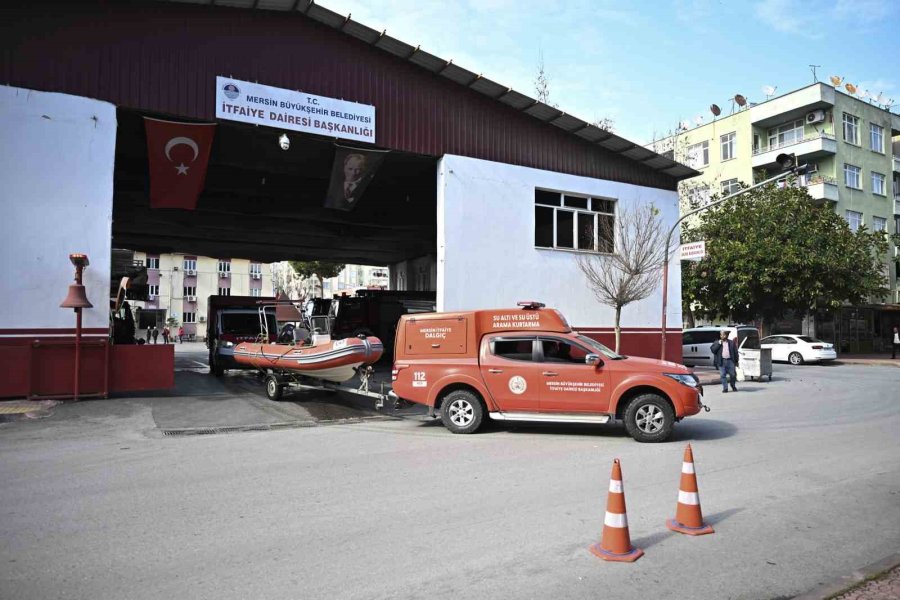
178, 155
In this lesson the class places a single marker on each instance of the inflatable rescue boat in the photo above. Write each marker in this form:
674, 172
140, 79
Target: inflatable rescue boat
323, 358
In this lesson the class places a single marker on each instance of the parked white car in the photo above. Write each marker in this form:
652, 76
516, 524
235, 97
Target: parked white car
798, 349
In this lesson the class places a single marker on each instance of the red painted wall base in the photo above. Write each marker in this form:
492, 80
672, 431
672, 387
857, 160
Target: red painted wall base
639, 342
39, 367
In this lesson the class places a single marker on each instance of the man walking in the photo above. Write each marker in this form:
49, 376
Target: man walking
725, 358
155, 334
896, 345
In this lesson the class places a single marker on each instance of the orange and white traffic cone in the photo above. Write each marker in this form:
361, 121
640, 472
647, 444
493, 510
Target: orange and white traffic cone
615, 543
688, 517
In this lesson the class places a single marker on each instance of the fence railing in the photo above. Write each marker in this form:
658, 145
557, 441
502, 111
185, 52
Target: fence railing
794, 142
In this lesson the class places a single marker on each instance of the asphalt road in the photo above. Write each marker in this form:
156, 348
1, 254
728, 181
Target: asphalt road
800, 478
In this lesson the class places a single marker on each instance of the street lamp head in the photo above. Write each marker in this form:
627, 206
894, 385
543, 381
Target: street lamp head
786, 161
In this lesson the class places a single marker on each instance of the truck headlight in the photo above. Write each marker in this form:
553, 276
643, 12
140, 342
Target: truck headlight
228, 344
689, 380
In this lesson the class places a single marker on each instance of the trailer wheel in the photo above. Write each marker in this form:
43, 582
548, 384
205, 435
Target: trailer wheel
649, 418
274, 389
462, 412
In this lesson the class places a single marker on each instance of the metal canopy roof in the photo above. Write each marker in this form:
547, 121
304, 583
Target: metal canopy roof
474, 81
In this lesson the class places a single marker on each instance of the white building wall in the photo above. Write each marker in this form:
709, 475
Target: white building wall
56, 167
486, 252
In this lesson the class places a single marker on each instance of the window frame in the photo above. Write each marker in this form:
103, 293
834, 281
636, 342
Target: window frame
539, 350
514, 338
730, 143
848, 168
873, 129
777, 135
150, 287
883, 191
852, 122
256, 292
189, 264
875, 227
153, 263
256, 268
189, 317
859, 220
734, 186
690, 154
225, 291
187, 290
599, 246
224, 266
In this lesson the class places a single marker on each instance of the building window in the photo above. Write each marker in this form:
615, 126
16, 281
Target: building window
255, 269
852, 176
879, 224
257, 292
153, 263
896, 225
190, 317
190, 264
876, 138
224, 266
224, 291
698, 155
851, 129
730, 186
727, 143
153, 290
854, 219
786, 134
573, 222
190, 290
878, 183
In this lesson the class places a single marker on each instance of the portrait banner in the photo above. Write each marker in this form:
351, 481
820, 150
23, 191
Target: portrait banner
351, 174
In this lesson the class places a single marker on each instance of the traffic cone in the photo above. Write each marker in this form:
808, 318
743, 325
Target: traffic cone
688, 517
615, 543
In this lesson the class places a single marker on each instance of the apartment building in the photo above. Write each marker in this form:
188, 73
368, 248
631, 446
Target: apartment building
180, 284
851, 146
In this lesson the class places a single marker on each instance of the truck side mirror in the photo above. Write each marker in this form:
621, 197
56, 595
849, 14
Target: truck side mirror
593, 360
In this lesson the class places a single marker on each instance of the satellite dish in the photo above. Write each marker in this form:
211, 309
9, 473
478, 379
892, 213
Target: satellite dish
715, 110
698, 119
769, 91
685, 125
741, 101
836, 81
878, 98
850, 88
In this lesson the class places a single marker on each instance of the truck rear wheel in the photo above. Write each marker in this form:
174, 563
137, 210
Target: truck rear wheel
462, 412
649, 418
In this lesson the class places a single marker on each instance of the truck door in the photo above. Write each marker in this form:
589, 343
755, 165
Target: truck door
510, 373
568, 385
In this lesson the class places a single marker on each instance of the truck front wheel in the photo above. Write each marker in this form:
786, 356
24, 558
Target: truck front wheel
649, 418
462, 412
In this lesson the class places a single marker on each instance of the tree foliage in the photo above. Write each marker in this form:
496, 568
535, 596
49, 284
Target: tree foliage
772, 250
322, 269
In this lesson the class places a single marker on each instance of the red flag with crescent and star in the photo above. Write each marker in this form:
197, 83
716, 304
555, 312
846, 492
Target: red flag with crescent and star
178, 154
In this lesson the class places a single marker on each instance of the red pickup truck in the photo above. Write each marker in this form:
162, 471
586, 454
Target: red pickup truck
527, 364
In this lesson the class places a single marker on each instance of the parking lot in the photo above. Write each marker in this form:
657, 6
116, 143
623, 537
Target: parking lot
799, 477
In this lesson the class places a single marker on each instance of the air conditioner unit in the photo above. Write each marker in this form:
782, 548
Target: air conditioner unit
255, 275
190, 272
191, 298
816, 116
224, 274
202, 319
174, 268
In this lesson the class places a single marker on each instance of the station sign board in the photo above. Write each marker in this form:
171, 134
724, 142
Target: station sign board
693, 251
269, 106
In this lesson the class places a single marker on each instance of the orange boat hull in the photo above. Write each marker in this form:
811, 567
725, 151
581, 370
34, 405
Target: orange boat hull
331, 360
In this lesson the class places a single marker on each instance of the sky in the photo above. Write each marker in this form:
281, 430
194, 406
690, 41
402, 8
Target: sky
649, 65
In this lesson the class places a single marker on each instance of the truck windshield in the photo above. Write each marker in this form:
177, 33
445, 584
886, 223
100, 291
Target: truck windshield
245, 323
600, 348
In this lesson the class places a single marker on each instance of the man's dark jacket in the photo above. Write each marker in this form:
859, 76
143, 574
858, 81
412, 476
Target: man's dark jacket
716, 349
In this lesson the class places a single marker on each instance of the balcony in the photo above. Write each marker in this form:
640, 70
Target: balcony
822, 188
897, 206
897, 164
813, 146
792, 106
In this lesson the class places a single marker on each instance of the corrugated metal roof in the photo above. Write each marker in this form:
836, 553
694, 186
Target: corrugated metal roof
461, 76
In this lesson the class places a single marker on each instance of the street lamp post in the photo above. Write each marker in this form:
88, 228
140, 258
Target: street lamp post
789, 165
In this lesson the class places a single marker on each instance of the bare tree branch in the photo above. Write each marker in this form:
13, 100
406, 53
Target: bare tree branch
633, 270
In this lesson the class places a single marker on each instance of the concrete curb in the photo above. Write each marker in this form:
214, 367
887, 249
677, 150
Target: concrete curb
844, 583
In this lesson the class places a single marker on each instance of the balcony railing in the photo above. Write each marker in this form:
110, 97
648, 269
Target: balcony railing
789, 143
814, 179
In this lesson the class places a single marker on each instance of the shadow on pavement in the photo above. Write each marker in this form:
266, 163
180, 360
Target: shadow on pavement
711, 519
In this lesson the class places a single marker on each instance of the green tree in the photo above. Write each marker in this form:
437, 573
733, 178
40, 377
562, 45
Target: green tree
773, 250
322, 269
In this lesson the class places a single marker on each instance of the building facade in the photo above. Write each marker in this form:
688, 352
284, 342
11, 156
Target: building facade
851, 147
181, 284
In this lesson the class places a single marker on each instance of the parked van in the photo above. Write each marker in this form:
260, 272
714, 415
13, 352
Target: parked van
695, 342
527, 364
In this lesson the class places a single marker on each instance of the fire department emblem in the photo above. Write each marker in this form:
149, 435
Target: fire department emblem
517, 385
